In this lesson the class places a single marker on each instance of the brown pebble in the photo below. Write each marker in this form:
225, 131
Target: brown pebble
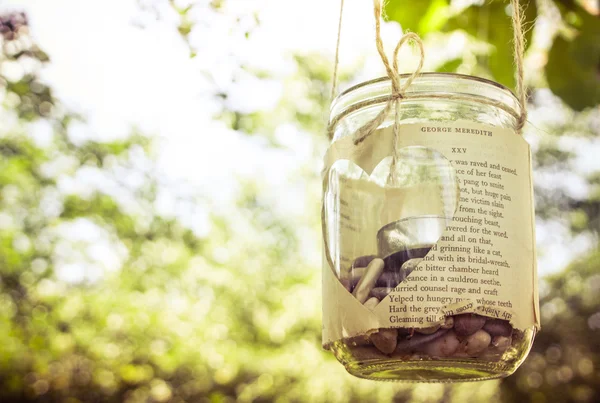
477, 342
498, 327
428, 330
362, 261
501, 343
368, 280
443, 346
385, 340
410, 344
468, 323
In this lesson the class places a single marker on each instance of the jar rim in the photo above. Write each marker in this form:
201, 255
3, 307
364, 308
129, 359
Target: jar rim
431, 85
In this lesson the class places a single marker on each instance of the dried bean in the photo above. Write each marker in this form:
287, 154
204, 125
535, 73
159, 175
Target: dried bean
418, 340
477, 342
385, 340
498, 327
366, 283
443, 346
468, 323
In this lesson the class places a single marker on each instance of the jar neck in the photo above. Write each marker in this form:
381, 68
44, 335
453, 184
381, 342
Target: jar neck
439, 92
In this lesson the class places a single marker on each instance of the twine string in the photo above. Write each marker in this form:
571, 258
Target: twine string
398, 91
392, 71
519, 55
337, 54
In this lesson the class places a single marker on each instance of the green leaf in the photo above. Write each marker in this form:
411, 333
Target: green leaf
573, 68
490, 22
421, 16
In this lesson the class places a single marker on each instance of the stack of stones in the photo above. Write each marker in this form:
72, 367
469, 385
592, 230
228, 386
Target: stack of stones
461, 336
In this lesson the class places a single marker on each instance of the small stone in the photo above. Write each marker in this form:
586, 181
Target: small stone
498, 327
443, 346
385, 340
468, 323
368, 280
477, 342
501, 343
362, 261
418, 340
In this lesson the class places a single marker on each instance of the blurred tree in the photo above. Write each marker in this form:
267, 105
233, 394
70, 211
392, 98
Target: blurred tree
563, 366
77, 328
573, 61
103, 299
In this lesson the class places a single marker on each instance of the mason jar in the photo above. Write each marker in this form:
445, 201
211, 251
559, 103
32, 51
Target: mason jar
429, 268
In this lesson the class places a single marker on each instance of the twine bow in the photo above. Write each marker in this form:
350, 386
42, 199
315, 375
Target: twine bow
398, 90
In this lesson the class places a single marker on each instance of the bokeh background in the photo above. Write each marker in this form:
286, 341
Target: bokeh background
160, 188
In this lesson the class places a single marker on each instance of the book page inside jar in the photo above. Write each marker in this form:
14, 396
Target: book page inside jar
484, 261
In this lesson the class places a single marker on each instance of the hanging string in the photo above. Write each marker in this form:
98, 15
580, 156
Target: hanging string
337, 54
392, 71
398, 91
519, 54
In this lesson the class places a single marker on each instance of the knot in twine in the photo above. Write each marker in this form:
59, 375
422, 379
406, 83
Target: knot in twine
399, 90
393, 73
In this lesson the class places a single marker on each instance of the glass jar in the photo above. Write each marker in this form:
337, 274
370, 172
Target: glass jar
451, 312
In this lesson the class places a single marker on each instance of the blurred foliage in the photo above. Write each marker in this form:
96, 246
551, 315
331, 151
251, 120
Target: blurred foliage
103, 299
490, 20
422, 17
563, 366
573, 67
573, 61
